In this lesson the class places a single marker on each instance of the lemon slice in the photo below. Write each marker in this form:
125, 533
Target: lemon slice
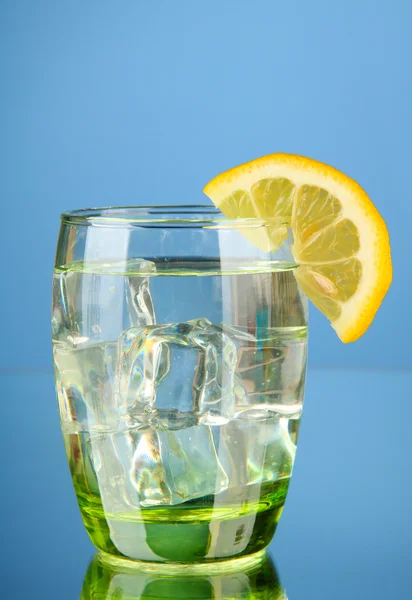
341, 242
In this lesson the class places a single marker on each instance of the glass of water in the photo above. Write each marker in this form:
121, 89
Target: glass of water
180, 355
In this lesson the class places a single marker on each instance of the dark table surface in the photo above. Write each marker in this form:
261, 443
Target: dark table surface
346, 531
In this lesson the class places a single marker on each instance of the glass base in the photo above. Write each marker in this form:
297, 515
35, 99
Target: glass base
190, 534
178, 568
250, 578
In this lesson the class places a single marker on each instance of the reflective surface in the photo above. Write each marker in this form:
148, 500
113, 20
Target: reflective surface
346, 529
228, 581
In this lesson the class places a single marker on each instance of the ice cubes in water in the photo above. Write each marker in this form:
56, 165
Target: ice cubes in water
85, 323
149, 467
202, 412
156, 468
173, 383
184, 369
181, 411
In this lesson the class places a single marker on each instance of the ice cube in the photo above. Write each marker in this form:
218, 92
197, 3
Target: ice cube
66, 315
85, 378
112, 457
189, 463
187, 368
214, 383
271, 370
89, 306
141, 468
256, 448
138, 294
143, 362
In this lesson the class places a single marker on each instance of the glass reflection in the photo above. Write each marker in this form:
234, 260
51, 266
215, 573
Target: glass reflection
239, 580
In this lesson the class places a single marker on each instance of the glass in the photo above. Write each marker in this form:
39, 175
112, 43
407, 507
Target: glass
180, 356
255, 581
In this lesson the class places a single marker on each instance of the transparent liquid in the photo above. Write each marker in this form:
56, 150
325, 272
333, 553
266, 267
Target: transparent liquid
180, 389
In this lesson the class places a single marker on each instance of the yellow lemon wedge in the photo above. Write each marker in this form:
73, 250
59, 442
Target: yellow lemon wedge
341, 242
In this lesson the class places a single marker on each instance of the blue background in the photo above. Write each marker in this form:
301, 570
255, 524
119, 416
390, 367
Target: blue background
143, 102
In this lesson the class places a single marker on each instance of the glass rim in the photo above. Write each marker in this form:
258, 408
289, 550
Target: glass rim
162, 215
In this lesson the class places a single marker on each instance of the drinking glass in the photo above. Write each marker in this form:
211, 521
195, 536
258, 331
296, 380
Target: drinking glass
179, 344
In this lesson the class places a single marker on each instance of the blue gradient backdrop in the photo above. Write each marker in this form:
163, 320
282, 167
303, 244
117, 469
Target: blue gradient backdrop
142, 101
137, 101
